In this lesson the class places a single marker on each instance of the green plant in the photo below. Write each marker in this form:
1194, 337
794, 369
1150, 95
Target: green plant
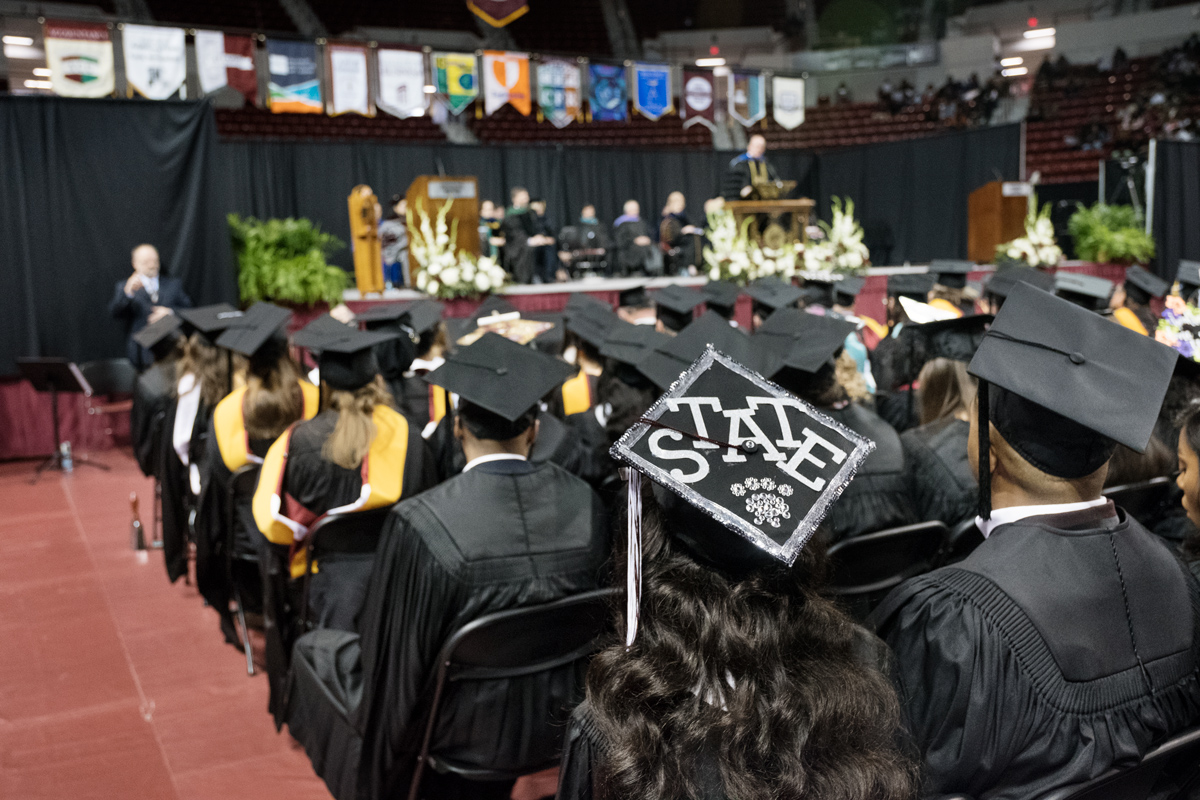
1110, 235
284, 260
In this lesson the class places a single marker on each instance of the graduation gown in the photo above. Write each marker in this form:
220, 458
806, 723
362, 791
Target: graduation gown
741, 173
554, 445
519, 258
631, 258
178, 501
878, 497
1063, 646
575, 396
419, 400
152, 400
944, 486
503, 535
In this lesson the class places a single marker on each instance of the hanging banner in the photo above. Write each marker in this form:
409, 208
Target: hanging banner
293, 87
349, 89
80, 58
506, 80
498, 13
608, 95
401, 82
787, 99
699, 99
559, 94
155, 60
747, 97
455, 79
652, 90
226, 60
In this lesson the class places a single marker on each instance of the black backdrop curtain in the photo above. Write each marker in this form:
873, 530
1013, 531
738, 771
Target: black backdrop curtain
1177, 204
81, 183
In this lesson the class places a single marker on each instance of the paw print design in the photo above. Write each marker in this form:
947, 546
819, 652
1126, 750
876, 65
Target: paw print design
762, 504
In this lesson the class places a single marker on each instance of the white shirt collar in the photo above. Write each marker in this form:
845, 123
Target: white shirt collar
150, 284
474, 462
1003, 516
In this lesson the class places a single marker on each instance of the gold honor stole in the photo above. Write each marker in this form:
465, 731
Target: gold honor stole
945, 305
1130, 320
285, 521
439, 402
577, 394
229, 425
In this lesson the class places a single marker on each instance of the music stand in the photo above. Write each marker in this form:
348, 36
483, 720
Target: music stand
55, 375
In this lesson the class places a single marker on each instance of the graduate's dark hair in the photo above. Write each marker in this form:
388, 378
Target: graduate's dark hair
627, 402
795, 711
1189, 429
484, 424
821, 388
203, 359
273, 397
434, 337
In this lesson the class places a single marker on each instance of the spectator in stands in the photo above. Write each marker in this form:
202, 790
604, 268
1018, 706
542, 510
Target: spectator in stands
490, 237
393, 240
635, 248
522, 237
587, 241
843, 94
678, 238
143, 298
547, 263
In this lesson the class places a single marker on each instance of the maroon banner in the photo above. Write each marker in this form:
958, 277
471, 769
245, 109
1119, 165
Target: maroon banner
239, 66
699, 98
498, 13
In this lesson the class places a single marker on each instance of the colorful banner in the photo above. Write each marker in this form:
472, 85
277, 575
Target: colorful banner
226, 60
652, 90
498, 13
401, 82
80, 58
747, 97
294, 86
608, 95
559, 94
155, 60
455, 79
349, 87
699, 99
506, 80
787, 99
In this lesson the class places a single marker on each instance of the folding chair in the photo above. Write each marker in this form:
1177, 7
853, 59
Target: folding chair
241, 492
1145, 501
342, 543
865, 568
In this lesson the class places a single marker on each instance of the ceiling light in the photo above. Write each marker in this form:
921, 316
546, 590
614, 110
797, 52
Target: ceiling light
42, 72
710, 62
1039, 33
38, 85
430, 89
417, 112
23, 52
1015, 61
1014, 72
720, 72
26, 41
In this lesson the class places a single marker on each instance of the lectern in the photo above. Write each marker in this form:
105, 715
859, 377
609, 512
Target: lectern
996, 214
431, 192
781, 222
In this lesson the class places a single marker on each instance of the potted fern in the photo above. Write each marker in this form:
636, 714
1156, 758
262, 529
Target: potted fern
1107, 234
283, 260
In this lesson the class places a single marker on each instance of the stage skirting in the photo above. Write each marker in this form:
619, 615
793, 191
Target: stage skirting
25, 424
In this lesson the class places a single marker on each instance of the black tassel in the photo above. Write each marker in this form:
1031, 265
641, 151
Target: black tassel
983, 421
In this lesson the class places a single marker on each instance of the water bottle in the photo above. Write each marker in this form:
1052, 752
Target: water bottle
64, 453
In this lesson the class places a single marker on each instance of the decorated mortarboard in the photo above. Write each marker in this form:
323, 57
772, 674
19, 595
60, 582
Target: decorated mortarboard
262, 323
721, 295
347, 359
634, 297
912, 284
951, 274
500, 376
774, 294
1141, 285
1188, 276
1065, 384
1005, 278
493, 305
674, 304
667, 362
759, 467
208, 320
162, 332
1088, 291
847, 289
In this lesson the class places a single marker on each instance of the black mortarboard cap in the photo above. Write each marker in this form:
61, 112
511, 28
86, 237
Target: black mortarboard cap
951, 274
801, 341
208, 320
847, 289
424, 315
500, 376
585, 303
312, 335
634, 297
1141, 285
627, 343
665, 363
1005, 278
915, 285
1065, 383
1089, 291
262, 323
592, 326
382, 315
773, 294
956, 339
722, 296
674, 305
1188, 276
347, 360
159, 336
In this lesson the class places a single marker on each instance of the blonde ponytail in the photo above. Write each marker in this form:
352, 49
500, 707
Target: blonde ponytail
355, 430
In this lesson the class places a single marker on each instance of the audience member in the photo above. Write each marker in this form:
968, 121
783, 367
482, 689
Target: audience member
1131, 300
144, 297
635, 248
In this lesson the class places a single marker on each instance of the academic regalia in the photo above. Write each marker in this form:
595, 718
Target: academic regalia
555, 445
745, 171
1087, 291
943, 484
675, 305
152, 401
577, 395
519, 258
630, 258
879, 497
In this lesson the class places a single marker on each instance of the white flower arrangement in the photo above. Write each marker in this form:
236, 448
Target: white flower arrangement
1038, 247
842, 251
443, 271
733, 256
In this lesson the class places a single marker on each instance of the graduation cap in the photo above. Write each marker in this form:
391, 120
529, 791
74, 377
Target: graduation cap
208, 321
491, 306
746, 471
1005, 278
674, 305
160, 337
581, 302
1188, 276
664, 364
818, 290
1065, 384
1088, 291
915, 285
500, 376
771, 295
346, 357
951, 274
424, 315
956, 339
592, 326
1141, 285
312, 335
261, 325
626, 346
634, 297
382, 315
722, 297
801, 342
846, 291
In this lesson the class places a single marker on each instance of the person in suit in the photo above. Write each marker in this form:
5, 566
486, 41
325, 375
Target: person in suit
143, 298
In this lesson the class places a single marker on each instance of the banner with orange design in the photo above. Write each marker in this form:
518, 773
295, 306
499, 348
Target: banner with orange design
506, 80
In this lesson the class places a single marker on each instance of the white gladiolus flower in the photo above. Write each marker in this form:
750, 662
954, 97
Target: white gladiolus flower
482, 282
434, 267
422, 280
768, 267
450, 276
714, 274
433, 287
735, 268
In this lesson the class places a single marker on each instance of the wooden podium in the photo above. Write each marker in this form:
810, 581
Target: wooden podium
431, 192
996, 214
784, 221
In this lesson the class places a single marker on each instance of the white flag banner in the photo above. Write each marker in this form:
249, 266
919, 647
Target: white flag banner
402, 82
348, 87
787, 96
210, 61
80, 58
155, 60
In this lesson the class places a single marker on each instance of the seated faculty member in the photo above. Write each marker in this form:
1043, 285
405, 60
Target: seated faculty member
145, 296
1068, 642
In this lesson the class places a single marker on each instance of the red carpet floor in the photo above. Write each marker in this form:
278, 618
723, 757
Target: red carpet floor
115, 684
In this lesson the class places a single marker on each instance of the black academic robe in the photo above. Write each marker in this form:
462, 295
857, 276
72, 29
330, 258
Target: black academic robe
502, 535
595, 465
134, 313
178, 501
1063, 646
152, 401
878, 497
519, 258
944, 486
420, 400
554, 445
738, 175
631, 258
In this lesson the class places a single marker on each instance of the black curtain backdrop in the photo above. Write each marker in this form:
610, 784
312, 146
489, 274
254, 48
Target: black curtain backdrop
1176, 205
81, 183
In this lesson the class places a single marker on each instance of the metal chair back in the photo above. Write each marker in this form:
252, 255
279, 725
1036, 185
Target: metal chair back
961, 541
240, 490
110, 375
865, 568
1177, 759
354, 533
1145, 501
